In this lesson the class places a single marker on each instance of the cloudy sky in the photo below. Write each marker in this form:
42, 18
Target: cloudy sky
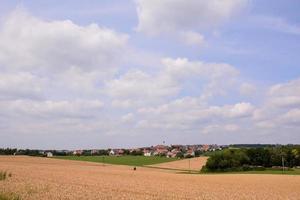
129, 73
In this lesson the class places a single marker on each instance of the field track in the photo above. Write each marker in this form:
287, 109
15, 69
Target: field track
43, 178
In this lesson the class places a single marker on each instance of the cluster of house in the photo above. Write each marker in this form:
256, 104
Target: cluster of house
162, 150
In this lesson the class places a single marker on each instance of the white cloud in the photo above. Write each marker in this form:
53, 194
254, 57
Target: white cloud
231, 127
266, 124
184, 18
42, 59
141, 87
192, 38
20, 85
292, 117
217, 77
158, 16
182, 68
193, 114
285, 95
288, 101
241, 110
137, 88
50, 109
129, 117
280, 107
247, 89
211, 129
29, 43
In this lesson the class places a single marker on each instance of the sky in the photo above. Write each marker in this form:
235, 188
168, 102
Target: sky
132, 73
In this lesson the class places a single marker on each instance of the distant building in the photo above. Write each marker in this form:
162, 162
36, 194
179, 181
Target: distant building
112, 152
147, 152
77, 152
94, 151
174, 152
49, 154
189, 153
205, 147
171, 154
119, 152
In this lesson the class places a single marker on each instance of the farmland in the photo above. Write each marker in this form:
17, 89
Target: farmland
44, 178
121, 160
194, 164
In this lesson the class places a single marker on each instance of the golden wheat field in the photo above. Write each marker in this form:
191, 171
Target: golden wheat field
186, 164
44, 178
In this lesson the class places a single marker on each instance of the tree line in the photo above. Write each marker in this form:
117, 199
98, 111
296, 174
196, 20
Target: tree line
35, 152
244, 159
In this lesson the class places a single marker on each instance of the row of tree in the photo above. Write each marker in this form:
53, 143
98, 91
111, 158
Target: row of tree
253, 158
30, 152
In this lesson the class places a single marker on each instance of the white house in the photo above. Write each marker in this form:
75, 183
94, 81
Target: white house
112, 152
77, 152
49, 154
147, 154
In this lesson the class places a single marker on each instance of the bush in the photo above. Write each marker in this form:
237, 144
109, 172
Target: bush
253, 168
198, 153
136, 153
179, 155
189, 156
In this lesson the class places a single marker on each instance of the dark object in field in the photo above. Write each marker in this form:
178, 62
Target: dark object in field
134, 168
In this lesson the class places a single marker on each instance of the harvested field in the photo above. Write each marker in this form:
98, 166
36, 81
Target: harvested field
43, 178
185, 164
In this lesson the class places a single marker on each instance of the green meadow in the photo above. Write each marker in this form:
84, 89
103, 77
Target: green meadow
121, 160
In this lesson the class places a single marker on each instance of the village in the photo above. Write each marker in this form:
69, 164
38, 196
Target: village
170, 151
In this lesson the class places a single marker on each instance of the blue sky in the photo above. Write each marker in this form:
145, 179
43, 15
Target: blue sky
134, 73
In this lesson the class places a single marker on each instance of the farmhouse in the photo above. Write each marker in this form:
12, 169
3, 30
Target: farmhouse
119, 152
171, 154
94, 151
147, 152
112, 152
205, 147
77, 152
49, 154
190, 152
160, 149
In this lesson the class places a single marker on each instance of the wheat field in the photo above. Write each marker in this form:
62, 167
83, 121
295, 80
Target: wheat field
184, 164
44, 178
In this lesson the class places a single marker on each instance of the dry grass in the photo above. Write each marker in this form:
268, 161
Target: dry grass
42, 178
2, 175
9, 196
184, 164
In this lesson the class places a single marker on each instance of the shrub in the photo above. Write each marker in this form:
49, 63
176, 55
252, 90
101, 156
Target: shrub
198, 153
179, 155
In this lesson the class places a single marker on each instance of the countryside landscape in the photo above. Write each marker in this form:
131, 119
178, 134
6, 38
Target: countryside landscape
149, 99
194, 172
